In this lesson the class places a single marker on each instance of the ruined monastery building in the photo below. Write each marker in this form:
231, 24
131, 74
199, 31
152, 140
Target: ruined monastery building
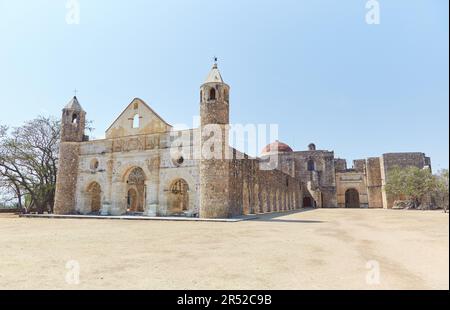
137, 169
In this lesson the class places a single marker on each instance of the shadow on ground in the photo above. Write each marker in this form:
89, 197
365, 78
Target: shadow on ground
279, 217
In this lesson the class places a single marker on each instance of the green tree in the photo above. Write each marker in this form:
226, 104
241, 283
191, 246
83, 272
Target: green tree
441, 190
411, 182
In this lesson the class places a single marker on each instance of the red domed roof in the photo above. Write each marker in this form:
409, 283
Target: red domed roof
276, 147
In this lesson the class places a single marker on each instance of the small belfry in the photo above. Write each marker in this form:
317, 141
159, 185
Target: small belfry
73, 122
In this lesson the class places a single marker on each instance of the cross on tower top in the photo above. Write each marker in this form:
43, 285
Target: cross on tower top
75, 91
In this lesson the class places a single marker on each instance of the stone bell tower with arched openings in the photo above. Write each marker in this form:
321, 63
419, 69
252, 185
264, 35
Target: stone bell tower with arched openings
214, 163
73, 122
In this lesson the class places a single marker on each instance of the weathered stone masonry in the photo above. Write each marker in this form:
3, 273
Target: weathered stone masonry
138, 168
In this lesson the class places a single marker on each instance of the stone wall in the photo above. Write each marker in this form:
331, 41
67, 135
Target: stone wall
340, 164
374, 183
359, 165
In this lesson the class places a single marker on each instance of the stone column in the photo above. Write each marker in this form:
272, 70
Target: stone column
119, 199
152, 202
107, 199
152, 187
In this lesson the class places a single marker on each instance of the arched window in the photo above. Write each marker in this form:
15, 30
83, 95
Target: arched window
178, 160
75, 119
136, 177
201, 96
179, 186
311, 165
136, 121
212, 94
179, 197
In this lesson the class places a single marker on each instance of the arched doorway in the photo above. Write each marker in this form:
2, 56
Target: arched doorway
352, 199
307, 202
136, 190
132, 200
95, 197
178, 200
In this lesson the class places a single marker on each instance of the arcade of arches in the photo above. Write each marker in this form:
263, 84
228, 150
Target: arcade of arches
258, 199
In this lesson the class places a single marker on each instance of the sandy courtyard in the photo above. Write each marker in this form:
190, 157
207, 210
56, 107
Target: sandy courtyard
318, 249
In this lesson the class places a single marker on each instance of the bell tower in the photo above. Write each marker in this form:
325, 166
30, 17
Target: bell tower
214, 163
73, 122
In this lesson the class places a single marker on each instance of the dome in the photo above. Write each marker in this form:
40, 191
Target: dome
276, 147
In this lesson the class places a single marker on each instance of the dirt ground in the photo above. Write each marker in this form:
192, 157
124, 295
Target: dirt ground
317, 249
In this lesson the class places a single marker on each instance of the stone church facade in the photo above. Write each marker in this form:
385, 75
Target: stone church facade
144, 166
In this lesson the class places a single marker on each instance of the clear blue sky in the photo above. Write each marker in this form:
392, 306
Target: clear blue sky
313, 66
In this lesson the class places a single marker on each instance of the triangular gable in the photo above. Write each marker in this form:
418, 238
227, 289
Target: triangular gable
149, 121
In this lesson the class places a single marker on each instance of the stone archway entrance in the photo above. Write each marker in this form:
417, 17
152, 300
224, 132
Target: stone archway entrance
95, 197
352, 199
308, 202
178, 197
136, 190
